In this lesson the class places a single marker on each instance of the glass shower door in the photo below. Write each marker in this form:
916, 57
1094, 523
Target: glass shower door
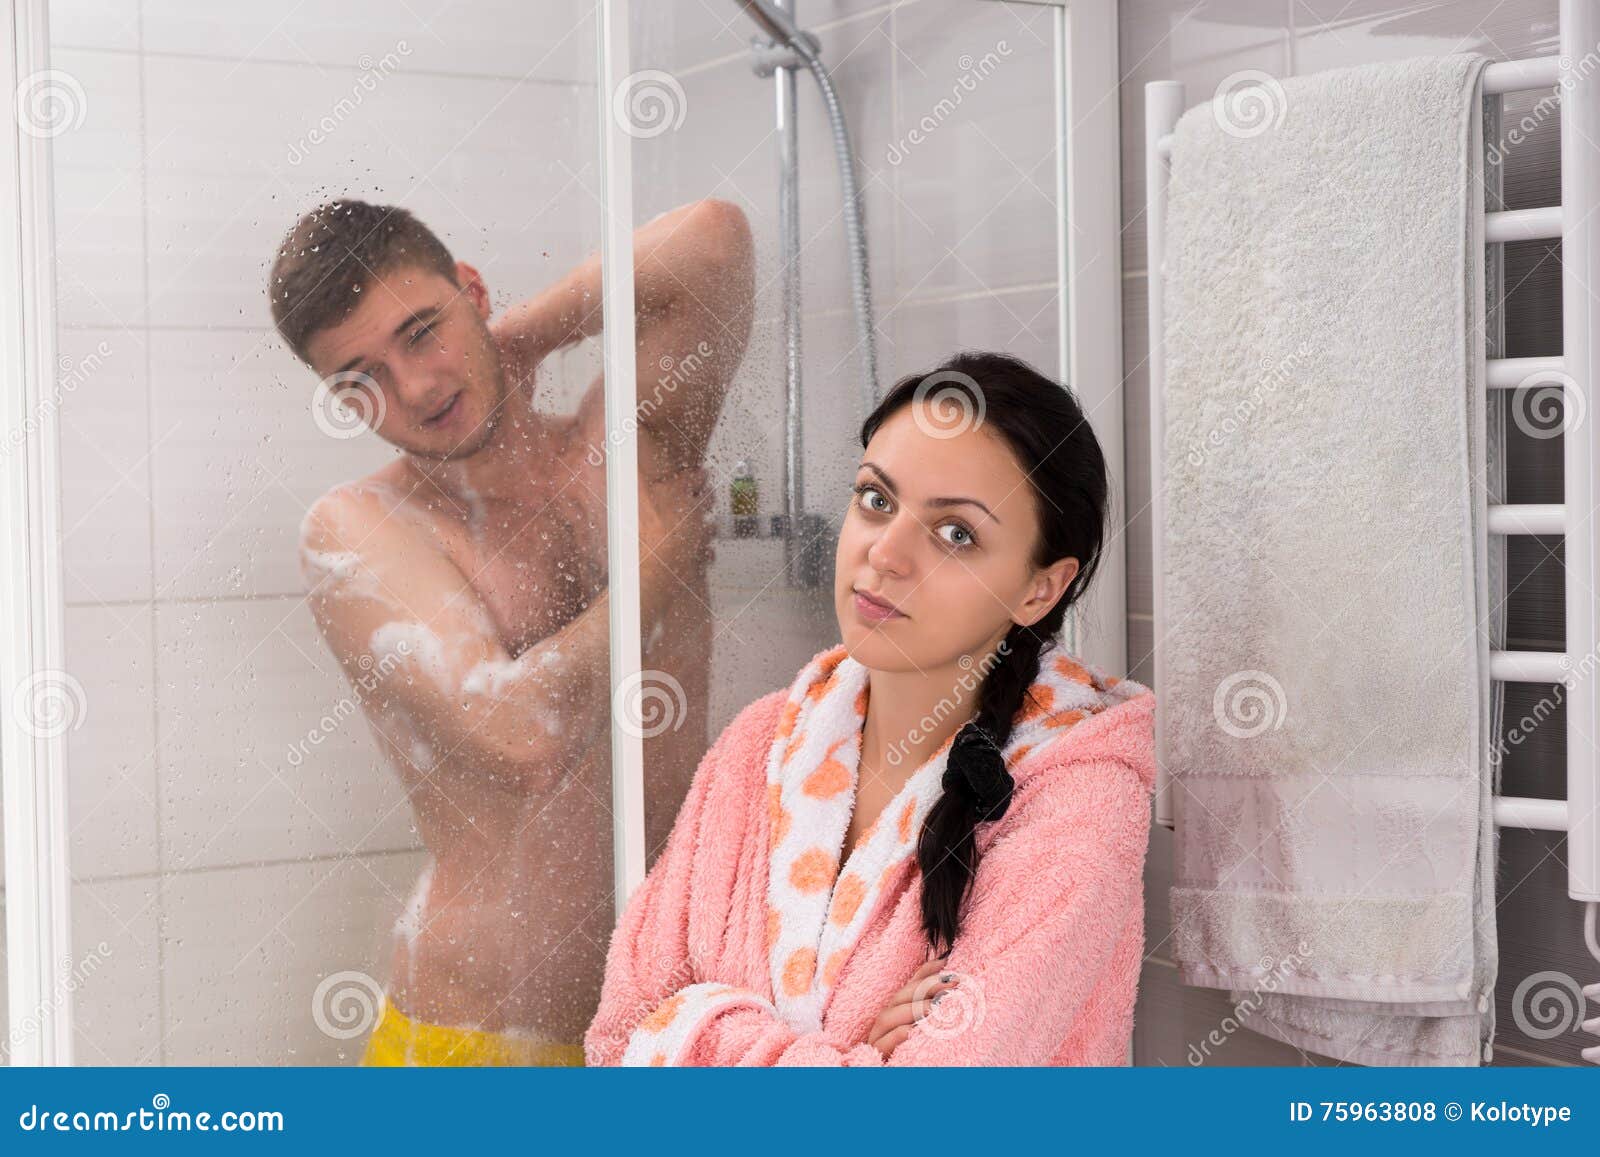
332, 529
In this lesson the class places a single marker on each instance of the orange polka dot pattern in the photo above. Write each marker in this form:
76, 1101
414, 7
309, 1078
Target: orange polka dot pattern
665, 1035
817, 907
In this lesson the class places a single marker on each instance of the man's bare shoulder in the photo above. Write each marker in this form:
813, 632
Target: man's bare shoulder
382, 505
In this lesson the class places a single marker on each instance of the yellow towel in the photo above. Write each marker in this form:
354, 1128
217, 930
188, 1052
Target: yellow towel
397, 1040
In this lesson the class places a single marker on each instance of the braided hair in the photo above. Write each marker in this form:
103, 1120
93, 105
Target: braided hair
1053, 443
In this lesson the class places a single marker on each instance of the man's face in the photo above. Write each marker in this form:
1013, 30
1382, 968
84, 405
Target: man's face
419, 349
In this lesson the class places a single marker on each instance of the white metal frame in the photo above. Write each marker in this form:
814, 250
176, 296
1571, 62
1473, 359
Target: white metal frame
622, 458
1089, 147
1576, 74
1088, 86
33, 766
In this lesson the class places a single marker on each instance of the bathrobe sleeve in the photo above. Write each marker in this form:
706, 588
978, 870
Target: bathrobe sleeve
1055, 889
650, 960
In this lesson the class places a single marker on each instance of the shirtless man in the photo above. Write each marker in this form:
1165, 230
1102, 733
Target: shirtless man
476, 561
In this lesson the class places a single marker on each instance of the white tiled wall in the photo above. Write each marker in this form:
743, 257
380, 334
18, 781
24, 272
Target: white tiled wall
224, 880
961, 229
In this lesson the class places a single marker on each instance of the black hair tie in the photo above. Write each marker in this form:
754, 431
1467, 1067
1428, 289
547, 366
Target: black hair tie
976, 770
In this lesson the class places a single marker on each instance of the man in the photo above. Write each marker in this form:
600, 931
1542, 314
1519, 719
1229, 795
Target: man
476, 562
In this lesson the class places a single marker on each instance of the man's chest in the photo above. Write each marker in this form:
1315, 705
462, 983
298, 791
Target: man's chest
536, 565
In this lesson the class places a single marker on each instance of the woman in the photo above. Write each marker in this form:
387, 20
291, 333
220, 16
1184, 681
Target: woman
988, 795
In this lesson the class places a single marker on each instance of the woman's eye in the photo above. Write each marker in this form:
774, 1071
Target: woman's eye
869, 494
966, 534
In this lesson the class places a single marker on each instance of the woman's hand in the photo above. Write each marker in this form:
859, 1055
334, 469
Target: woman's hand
908, 1006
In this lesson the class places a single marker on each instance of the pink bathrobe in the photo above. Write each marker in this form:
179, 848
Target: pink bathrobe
749, 944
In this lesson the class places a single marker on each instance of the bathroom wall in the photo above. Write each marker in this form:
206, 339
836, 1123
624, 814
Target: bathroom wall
223, 883
218, 878
1203, 44
224, 888
961, 225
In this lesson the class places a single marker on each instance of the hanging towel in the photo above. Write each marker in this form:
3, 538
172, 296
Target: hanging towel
1326, 707
750, 943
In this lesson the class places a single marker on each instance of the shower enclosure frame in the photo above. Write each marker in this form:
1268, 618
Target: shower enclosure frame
33, 764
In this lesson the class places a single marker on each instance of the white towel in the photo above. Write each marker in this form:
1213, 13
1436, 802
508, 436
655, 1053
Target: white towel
1327, 707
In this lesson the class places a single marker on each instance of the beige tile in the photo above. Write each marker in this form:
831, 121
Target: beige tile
239, 458
99, 194
105, 465
105, 24
1022, 324
115, 972
243, 684
683, 37
492, 38
112, 788
245, 950
975, 202
1332, 34
761, 640
505, 173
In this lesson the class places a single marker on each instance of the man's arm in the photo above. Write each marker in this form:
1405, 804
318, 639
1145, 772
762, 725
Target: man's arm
387, 600
694, 281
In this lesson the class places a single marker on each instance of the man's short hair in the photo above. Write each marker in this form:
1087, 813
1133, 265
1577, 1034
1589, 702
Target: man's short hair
334, 253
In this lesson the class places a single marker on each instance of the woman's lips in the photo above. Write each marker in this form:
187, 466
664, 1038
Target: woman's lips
873, 610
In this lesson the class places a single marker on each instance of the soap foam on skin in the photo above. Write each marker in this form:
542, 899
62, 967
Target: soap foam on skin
340, 573
421, 754
426, 648
493, 677
490, 678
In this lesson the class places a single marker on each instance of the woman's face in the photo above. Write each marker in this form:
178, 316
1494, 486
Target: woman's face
942, 527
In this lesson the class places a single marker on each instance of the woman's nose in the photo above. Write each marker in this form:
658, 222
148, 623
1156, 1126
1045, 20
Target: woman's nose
890, 550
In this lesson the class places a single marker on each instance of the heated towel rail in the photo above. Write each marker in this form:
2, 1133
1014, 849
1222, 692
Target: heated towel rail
1573, 76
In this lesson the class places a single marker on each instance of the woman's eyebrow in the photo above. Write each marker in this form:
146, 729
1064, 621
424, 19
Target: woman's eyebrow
889, 482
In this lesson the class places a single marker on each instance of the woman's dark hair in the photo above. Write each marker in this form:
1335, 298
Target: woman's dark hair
1052, 441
